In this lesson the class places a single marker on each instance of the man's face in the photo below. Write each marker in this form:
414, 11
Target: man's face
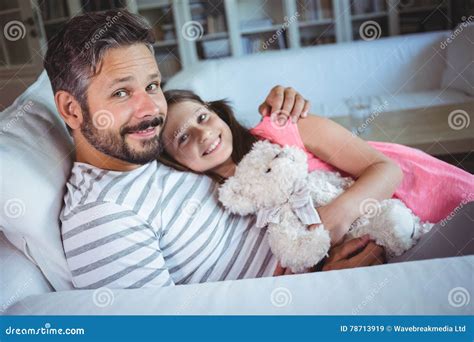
126, 106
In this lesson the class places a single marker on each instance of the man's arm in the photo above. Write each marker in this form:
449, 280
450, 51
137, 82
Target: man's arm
108, 245
357, 252
285, 102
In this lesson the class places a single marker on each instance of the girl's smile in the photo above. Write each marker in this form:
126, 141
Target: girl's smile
197, 137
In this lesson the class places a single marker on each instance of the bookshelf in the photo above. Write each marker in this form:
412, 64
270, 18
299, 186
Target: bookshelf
161, 15
189, 31
20, 51
317, 24
424, 15
55, 13
213, 39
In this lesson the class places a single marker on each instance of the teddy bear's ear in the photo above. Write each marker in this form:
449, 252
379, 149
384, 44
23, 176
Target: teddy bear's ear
232, 198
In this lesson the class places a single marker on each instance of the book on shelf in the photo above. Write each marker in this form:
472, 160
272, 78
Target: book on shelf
367, 6
309, 10
54, 9
420, 3
215, 24
258, 43
317, 40
379, 5
326, 9
150, 3
255, 24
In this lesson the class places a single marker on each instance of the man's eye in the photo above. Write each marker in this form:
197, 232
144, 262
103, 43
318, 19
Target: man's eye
153, 86
120, 93
202, 117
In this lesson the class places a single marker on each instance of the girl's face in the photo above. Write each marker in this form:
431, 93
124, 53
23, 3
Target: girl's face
196, 137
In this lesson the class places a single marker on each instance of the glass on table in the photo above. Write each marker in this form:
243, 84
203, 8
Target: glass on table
360, 111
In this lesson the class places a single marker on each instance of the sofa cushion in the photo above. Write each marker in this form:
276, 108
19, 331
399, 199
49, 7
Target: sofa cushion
24, 278
323, 74
36, 155
459, 72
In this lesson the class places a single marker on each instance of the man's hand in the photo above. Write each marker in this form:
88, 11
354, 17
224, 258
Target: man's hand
357, 252
285, 102
354, 253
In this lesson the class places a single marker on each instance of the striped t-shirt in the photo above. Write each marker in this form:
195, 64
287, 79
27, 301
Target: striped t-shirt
155, 226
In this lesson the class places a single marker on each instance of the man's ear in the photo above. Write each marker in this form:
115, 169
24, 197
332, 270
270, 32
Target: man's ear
69, 109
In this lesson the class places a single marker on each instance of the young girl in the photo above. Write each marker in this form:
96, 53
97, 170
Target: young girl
205, 137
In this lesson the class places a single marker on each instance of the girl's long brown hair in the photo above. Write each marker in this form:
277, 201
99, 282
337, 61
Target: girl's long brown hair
242, 139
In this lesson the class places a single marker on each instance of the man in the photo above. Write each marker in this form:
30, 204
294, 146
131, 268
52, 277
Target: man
128, 221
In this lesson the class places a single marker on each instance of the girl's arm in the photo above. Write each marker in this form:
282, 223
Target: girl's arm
376, 176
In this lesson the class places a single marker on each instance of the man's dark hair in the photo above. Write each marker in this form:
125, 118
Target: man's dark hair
75, 53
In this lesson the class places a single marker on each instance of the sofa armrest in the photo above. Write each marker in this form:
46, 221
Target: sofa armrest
427, 287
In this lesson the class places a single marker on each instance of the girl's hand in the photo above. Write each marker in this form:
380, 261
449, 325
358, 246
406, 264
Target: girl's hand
285, 102
334, 221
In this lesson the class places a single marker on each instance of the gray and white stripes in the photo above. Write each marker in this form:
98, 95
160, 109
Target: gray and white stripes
155, 226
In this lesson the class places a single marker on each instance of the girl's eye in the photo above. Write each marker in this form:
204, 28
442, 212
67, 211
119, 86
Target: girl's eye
120, 93
153, 86
182, 138
202, 117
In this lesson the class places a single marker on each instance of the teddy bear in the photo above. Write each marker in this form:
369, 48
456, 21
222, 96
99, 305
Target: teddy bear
273, 183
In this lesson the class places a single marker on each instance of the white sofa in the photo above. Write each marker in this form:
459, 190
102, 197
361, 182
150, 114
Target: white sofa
400, 72
35, 158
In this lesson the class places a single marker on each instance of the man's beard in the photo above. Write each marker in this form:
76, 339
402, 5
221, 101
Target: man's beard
115, 144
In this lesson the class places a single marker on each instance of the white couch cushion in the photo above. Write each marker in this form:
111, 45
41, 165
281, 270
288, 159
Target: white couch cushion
36, 154
24, 278
426, 287
323, 74
459, 73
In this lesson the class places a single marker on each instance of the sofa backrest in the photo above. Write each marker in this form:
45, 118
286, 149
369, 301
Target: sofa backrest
36, 154
324, 73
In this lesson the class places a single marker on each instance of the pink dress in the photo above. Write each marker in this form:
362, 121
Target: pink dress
431, 188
